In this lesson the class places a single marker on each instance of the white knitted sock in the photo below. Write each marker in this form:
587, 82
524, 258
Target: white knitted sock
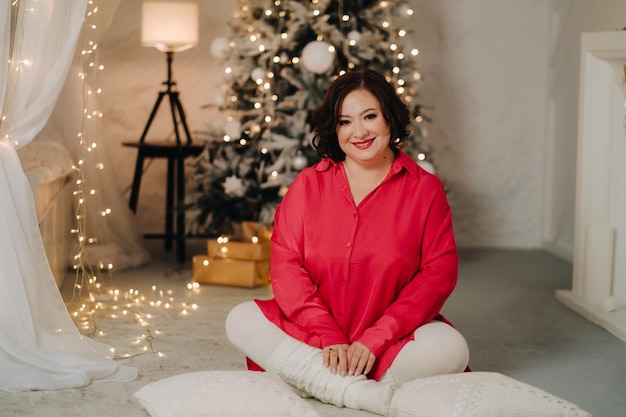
301, 365
371, 396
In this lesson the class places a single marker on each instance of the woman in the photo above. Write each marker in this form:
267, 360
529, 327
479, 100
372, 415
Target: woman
363, 259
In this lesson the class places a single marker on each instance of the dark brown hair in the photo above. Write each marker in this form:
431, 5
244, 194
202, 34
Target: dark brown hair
326, 116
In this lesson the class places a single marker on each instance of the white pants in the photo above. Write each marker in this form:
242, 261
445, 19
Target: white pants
437, 348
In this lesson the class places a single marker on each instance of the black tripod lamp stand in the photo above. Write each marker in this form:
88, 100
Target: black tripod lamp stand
176, 107
170, 27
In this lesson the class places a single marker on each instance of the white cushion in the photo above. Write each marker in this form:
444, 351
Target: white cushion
477, 394
223, 393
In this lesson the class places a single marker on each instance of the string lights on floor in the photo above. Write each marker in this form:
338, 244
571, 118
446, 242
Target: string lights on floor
95, 299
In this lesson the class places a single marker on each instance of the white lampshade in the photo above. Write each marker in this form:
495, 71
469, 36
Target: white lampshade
169, 26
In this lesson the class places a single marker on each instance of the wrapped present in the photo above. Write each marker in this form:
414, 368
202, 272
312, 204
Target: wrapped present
261, 231
231, 249
233, 272
242, 263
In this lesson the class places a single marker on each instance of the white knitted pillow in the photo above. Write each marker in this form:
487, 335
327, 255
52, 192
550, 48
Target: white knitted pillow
477, 394
223, 393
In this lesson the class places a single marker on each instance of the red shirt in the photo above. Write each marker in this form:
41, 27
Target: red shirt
371, 273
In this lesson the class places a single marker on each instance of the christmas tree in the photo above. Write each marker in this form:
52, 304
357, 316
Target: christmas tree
279, 58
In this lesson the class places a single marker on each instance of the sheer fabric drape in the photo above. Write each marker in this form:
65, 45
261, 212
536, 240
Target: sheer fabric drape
40, 348
119, 240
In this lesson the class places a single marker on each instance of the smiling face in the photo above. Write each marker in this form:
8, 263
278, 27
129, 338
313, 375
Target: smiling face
362, 131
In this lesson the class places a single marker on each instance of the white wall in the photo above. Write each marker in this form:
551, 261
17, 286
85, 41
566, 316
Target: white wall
501, 76
568, 20
484, 65
562, 127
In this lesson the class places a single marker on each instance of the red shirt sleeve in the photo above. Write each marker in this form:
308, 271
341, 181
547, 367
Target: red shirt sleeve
294, 291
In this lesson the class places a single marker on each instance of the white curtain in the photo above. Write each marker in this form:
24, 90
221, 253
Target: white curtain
119, 240
40, 348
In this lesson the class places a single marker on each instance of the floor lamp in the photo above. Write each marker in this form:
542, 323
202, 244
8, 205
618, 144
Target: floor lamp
170, 27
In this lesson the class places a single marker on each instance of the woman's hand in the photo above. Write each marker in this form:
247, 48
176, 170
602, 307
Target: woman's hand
360, 359
336, 358
354, 359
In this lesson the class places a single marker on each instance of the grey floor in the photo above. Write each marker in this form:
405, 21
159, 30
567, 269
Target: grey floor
504, 304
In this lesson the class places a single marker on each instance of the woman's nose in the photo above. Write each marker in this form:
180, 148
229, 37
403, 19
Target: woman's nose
360, 130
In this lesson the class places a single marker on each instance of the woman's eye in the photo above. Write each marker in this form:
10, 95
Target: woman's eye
343, 122
370, 116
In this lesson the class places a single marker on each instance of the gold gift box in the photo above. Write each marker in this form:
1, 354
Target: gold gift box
240, 263
232, 272
260, 230
239, 250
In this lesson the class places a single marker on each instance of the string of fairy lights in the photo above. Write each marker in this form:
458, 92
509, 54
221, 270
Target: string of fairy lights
95, 298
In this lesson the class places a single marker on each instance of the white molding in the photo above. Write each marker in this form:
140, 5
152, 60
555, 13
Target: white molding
599, 273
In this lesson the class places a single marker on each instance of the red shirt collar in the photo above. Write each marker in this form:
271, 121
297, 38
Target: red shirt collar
402, 161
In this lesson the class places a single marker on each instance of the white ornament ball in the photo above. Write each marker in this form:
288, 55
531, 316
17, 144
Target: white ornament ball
233, 128
257, 74
299, 162
318, 57
354, 36
220, 48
